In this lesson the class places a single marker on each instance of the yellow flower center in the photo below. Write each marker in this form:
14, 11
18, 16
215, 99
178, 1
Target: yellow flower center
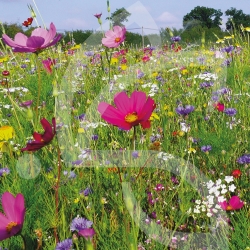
10, 226
118, 39
131, 117
229, 208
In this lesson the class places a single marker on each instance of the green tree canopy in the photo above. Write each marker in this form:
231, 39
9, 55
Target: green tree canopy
119, 16
238, 18
206, 17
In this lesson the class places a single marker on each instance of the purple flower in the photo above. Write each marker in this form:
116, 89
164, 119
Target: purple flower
26, 104
64, 245
228, 49
86, 191
135, 154
244, 159
89, 53
40, 39
79, 224
184, 111
77, 162
4, 171
206, 84
94, 137
230, 111
206, 148
175, 38
174, 180
80, 117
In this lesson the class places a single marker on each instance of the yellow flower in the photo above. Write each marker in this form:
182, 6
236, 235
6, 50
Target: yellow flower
81, 130
166, 107
170, 113
78, 46
247, 29
3, 146
154, 116
124, 66
204, 105
220, 41
76, 200
6, 133
3, 59
191, 65
228, 37
181, 133
155, 74
184, 72
114, 60
191, 150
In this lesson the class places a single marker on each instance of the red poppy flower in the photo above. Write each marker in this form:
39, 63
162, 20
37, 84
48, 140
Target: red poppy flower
41, 140
28, 22
5, 73
236, 173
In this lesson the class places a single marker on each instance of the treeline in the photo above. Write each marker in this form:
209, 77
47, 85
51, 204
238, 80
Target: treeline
90, 37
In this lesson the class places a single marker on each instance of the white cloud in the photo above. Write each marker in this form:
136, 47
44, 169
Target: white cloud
167, 17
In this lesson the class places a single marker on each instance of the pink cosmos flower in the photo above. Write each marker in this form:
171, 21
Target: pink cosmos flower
11, 222
48, 64
40, 39
113, 38
129, 112
234, 204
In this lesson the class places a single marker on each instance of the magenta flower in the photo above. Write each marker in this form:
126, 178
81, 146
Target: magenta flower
87, 233
40, 39
129, 112
11, 222
48, 64
234, 204
98, 16
113, 38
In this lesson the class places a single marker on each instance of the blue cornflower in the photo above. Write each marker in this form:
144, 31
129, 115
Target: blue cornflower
79, 223
64, 245
135, 154
176, 38
206, 148
86, 192
244, 159
184, 111
230, 111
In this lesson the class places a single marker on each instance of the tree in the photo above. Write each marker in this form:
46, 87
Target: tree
238, 18
206, 17
11, 29
119, 16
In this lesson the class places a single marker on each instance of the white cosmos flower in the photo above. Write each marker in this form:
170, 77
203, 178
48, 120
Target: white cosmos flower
229, 179
232, 188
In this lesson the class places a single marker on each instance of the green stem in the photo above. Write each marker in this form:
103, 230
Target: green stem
39, 86
24, 241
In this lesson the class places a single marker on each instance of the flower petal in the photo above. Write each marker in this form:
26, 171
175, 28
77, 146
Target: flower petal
122, 102
35, 42
8, 202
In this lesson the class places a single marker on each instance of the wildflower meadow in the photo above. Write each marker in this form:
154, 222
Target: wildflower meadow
122, 147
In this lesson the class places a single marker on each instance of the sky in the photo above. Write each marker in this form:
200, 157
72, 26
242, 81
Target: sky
69, 15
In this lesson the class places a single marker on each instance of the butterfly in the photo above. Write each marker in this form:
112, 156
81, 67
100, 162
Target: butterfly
28, 22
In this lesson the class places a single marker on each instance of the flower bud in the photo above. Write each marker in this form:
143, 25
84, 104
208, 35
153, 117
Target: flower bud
29, 114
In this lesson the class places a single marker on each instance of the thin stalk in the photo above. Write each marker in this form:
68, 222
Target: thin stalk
39, 87
57, 193
24, 241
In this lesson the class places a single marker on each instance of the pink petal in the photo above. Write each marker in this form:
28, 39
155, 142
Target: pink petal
51, 34
147, 110
110, 43
117, 29
8, 202
35, 42
3, 221
138, 100
146, 124
19, 208
122, 102
223, 205
110, 34
21, 39
112, 116
39, 32
7, 40
236, 203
